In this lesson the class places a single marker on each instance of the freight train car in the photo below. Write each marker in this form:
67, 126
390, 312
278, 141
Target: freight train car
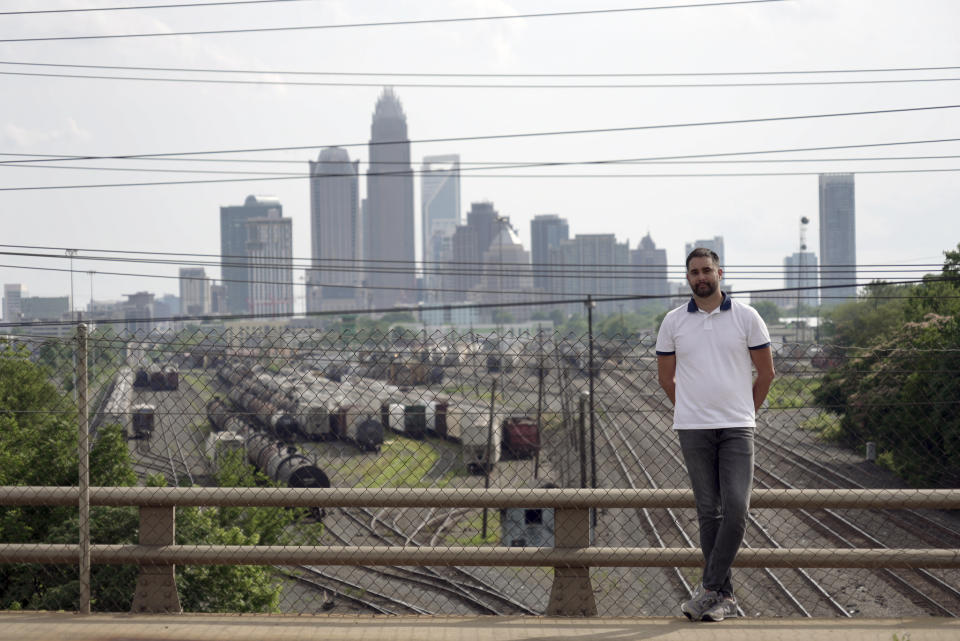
480, 439
521, 437
142, 418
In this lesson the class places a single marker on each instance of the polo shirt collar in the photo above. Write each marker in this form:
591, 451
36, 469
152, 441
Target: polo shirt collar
724, 304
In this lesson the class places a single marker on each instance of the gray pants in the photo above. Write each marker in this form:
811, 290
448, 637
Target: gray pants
720, 465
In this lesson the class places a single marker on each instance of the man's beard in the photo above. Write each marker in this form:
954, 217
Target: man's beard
704, 290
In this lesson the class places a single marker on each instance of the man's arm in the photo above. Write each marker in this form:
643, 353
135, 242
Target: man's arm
763, 360
666, 370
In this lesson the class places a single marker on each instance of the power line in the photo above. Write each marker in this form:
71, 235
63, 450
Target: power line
526, 86
390, 74
616, 271
535, 134
143, 6
444, 306
412, 262
554, 176
512, 164
391, 23
28, 164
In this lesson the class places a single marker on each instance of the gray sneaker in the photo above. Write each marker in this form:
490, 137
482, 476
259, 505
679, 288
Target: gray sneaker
725, 609
702, 601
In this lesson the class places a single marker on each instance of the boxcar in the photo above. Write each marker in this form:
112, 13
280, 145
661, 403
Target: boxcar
142, 419
521, 438
480, 439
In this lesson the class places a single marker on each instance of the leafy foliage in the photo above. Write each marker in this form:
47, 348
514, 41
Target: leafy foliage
38, 446
896, 384
769, 311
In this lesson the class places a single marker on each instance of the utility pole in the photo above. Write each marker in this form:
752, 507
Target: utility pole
800, 275
70, 254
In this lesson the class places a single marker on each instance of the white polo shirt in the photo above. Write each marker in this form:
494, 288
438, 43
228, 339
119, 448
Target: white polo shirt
714, 373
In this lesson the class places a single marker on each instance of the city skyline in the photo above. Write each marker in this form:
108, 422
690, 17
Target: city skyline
756, 211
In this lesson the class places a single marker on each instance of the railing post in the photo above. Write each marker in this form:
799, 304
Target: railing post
572, 592
156, 588
83, 467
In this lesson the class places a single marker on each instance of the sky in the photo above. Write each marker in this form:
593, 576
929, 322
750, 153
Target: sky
903, 217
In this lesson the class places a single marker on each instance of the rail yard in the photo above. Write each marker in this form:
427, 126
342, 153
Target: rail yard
511, 417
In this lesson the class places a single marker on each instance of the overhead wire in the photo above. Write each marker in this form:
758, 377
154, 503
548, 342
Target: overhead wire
27, 164
456, 268
440, 306
534, 134
543, 176
189, 5
391, 23
460, 74
526, 86
375, 261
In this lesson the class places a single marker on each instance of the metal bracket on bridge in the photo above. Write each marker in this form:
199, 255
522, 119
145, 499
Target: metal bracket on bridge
572, 591
156, 588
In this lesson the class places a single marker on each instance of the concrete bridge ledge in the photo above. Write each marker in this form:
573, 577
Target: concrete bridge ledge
65, 626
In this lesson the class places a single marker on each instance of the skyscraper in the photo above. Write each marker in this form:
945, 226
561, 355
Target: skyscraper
594, 264
234, 267
838, 238
546, 232
389, 219
194, 291
335, 232
470, 241
651, 277
440, 213
269, 253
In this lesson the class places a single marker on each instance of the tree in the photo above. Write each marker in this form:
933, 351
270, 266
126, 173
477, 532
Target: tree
38, 446
898, 349
769, 311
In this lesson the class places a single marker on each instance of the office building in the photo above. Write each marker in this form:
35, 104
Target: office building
194, 291
801, 270
44, 308
12, 295
595, 265
507, 275
269, 253
650, 275
547, 231
838, 239
138, 313
234, 267
335, 232
469, 244
389, 218
440, 215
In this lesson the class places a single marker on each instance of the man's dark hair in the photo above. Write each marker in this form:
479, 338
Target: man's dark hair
703, 252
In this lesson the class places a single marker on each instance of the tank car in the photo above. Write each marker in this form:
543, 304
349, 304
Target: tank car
141, 379
217, 413
521, 437
284, 426
171, 379
158, 382
365, 431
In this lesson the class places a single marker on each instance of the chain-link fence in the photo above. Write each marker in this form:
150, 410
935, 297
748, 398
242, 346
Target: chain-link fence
247, 407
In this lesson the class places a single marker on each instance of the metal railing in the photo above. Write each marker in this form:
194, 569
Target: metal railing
572, 556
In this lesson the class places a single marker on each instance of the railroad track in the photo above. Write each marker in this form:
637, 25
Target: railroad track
928, 591
453, 583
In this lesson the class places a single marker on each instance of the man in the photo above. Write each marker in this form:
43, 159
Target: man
705, 350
